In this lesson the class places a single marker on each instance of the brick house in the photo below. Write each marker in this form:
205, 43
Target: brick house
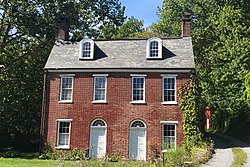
116, 96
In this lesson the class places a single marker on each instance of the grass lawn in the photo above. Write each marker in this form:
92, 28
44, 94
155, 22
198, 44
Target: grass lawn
19, 162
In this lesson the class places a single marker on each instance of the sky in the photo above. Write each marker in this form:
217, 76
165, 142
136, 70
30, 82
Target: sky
142, 10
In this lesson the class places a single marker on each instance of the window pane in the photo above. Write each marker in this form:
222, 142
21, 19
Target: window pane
169, 89
169, 137
138, 89
63, 133
153, 51
86, 49
100, 88
66, 86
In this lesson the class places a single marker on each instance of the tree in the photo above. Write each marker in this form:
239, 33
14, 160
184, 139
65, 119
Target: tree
130, 27
27, 33
247, 91
220, 32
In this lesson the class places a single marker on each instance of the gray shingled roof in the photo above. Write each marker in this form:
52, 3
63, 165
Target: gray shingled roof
129, 53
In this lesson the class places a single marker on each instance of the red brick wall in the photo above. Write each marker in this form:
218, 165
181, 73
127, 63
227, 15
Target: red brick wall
118, 112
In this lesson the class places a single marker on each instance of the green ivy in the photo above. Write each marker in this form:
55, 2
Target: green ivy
190, 121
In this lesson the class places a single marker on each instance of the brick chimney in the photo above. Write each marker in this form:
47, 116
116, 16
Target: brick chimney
63, 29
186, 25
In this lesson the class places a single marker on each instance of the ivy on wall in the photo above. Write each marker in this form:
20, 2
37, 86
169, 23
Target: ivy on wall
190, 121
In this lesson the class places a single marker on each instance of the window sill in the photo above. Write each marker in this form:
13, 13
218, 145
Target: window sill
152, 58
63, 147
86, 58
65, 102
169, 102
138, 102
99, 102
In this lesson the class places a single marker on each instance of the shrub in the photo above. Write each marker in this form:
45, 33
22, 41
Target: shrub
75, 154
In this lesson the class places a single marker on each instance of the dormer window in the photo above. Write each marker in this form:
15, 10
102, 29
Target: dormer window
154, 48
86, 49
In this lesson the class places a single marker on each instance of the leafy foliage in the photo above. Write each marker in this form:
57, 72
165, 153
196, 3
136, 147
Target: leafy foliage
247, 85
27, 33
190, 120
220, 33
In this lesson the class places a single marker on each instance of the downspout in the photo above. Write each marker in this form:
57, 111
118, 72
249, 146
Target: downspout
41, 145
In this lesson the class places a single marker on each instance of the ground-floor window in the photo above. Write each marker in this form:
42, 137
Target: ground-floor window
168, 136
63, 133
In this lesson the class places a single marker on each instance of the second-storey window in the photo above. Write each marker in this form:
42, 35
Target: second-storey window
100, 87
138, 89
169, 89
66, 89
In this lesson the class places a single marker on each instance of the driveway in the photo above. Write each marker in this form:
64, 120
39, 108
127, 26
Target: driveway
223, 156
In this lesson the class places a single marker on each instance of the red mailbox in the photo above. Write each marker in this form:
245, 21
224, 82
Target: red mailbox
208, 112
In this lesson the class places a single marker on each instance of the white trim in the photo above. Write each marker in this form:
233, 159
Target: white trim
100, 75
169, 122
90, 135
65, 101
63, 147
91, 49
145, 126
159, 48
122, 70
64, 120
67, 75
138, 102
60, 96
169, 102
145, 140
144, 91
175, 88
100, 101
138, 75
169, 75
96, 120
57, 133
162, 127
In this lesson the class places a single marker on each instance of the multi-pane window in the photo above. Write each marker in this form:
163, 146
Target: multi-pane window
100, 88
86, 49
169, 136
66, 89
63, 133
169, 89
138, 89
154, 50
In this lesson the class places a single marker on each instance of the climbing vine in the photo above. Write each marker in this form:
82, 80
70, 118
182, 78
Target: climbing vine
190, 121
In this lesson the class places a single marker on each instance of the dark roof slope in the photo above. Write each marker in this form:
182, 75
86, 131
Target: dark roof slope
131, 53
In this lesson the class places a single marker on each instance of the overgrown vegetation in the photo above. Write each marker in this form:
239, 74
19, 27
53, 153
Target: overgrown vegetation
239, 157
189, 100
174, 158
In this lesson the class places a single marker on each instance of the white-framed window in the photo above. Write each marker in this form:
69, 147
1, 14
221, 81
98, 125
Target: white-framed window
138, 88
63, 133
66, 88
86, 49
169, 89
100, 88
169, 134
154, 48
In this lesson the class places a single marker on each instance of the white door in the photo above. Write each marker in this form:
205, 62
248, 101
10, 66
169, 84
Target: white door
137, 143
97, 141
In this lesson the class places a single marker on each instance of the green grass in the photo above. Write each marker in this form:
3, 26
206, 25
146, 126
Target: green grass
239, 157
18, 162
